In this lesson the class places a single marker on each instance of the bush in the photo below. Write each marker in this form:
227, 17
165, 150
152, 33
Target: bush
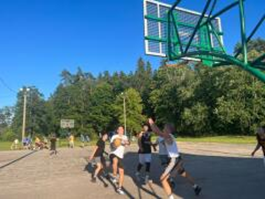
8, 135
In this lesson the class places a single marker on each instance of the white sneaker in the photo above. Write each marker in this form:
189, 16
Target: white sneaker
114, 180
120, 191
171, 197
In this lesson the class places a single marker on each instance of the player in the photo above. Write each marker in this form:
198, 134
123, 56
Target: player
260, 142
97, 155
175, 162
118, 143
145, 153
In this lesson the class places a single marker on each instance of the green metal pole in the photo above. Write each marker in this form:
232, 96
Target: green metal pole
169, 36
220, 12
229, 59
252, 33
198, 25
243, 31
169, 14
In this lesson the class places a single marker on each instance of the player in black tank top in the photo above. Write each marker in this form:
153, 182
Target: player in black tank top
260, 142
145, 152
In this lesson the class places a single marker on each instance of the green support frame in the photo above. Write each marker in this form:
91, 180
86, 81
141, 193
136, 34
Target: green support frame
210, 55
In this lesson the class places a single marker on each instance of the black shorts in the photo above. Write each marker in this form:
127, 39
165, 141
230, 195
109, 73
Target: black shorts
120, 161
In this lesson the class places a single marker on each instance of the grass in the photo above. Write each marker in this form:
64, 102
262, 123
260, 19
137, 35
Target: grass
4, 146
221, 139
62, 143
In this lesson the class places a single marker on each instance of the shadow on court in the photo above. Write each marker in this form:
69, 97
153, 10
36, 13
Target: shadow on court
18, 159
220, 177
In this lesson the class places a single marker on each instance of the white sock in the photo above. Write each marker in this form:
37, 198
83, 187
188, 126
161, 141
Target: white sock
171, 196
195, 186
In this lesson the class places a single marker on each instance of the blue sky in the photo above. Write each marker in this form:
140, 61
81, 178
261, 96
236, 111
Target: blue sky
40, 38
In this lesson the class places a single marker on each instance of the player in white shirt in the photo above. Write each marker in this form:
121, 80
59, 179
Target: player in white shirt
118, 143
167, 141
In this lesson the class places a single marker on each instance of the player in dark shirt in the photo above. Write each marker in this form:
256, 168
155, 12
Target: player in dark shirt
53, 141
145, 152
97, 155
260, 142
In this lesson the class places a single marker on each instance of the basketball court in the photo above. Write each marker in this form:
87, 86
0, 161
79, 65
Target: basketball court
223, 171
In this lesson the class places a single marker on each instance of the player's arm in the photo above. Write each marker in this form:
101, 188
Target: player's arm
154, 128
93, 153
126, 142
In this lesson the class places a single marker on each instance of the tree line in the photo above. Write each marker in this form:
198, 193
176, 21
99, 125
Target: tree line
199, 100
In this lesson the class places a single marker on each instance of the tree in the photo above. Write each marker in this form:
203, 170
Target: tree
134, 109
35, 116
101, 110
6, 116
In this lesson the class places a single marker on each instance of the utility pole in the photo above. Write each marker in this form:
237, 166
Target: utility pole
124, 113
24, 90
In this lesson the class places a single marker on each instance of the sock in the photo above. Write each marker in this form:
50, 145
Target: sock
139, 167
147, 168
171, 196
195, 186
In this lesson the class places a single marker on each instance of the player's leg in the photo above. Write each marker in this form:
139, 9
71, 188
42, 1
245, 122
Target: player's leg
148, 158
114, 160
121, 176
140, 165
181, 171
164, 160
98, 168
166, 186
165, 176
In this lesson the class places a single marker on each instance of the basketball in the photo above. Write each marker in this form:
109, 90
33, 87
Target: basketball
117, 142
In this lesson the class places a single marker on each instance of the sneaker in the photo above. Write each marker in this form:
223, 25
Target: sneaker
137, 175
120, 191
94, 179
146, 180
171, 197
114, 180
197, 190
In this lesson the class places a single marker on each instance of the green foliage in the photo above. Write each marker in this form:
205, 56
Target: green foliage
6, 115
36, 114
197, 99
134, 109
8, 135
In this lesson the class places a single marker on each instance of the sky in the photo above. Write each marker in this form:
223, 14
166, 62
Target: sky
40, 38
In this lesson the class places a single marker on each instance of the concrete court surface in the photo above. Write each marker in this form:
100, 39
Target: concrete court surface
225, 171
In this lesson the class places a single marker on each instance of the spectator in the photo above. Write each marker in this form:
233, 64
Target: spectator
53, 141
82, 139
15, 144
71, 140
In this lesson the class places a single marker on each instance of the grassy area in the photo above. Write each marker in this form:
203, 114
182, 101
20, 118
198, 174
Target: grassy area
64, 143
215, 139
221, 139
5, 145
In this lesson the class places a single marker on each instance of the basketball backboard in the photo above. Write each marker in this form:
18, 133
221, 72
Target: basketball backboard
167, 35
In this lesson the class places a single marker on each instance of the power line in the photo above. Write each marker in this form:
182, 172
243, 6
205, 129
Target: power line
6, 85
